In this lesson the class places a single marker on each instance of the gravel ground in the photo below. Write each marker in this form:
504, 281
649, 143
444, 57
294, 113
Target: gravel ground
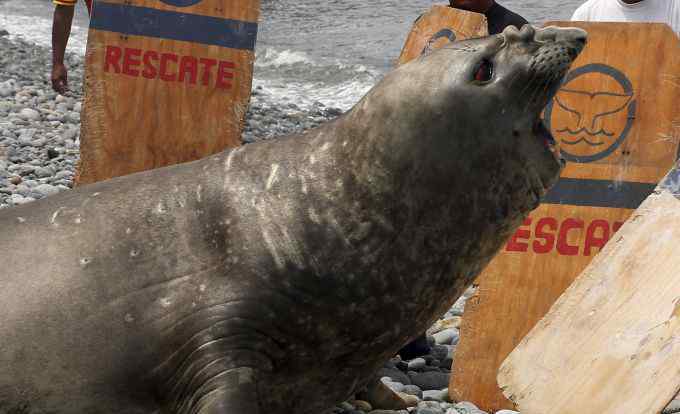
39, 150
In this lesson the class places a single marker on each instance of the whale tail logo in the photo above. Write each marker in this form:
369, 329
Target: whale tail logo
591, 123
588, 111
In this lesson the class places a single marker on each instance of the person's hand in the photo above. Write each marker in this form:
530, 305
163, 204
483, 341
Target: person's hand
59, 78
478, 6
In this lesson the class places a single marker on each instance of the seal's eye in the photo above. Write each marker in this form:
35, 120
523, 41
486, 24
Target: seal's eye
484, 71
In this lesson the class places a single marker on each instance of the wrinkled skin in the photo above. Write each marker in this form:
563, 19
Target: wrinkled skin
277, 277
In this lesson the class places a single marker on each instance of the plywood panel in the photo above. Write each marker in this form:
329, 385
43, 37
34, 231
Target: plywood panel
616, 122
611, 343
164, 84
438, 26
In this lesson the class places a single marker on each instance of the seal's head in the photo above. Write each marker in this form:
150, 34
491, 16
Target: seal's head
479, 102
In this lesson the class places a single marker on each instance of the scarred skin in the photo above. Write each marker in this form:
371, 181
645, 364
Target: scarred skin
279, 276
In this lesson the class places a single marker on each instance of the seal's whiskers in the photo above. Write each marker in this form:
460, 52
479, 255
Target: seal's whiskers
529, 88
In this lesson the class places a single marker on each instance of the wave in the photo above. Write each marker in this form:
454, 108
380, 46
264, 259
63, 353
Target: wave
39, 31
295, 77
286, 62
269, 57
308, 95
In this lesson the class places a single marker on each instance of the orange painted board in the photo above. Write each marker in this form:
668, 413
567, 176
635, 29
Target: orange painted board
438, 26
167, 81
609, 345
617, 121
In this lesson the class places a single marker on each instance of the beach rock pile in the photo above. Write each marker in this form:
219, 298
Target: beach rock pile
38, 128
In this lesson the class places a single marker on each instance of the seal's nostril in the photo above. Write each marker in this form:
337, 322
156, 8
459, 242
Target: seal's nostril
573, 53
511, 33
527, 33
580, 36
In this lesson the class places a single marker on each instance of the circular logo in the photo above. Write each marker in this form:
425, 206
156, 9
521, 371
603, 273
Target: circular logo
181, 3
436, 43
591, 124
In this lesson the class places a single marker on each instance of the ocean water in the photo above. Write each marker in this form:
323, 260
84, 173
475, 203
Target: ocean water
307, 51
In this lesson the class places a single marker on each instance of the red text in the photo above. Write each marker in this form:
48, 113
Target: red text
169, 67
569, 236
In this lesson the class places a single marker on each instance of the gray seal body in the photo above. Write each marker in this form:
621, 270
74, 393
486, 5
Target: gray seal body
279, 276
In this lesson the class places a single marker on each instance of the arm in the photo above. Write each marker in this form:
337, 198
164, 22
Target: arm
498, 18
61, 30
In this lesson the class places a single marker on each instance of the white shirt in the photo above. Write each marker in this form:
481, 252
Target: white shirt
646, 11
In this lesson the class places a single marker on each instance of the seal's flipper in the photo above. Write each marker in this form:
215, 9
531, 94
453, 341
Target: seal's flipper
233, 392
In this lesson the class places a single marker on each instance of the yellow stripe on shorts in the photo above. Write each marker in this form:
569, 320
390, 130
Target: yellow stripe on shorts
65, 2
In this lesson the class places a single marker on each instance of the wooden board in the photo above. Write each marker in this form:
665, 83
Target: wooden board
438, 26
628, 102
611, 343
167, 81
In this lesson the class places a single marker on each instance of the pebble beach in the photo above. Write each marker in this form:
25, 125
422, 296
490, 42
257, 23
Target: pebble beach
39, 152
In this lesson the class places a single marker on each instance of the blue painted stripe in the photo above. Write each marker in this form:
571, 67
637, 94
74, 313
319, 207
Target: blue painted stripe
163, 24
599, 193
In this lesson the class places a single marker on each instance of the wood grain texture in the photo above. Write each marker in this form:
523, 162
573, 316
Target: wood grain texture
463, 24
133, 123
611, 343
518, 287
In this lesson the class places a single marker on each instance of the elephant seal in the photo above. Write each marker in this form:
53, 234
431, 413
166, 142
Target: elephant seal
279, 276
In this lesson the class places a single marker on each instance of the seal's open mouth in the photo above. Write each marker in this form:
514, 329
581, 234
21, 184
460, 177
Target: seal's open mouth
543, 134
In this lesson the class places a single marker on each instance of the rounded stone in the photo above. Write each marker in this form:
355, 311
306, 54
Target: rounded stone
43, 172
447, 337
29, 114
395, 375
395, 386
410, 400
436, 395
439, 352
430, 380
417, 364
466, 407
413, 390
362, 405
45, 190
